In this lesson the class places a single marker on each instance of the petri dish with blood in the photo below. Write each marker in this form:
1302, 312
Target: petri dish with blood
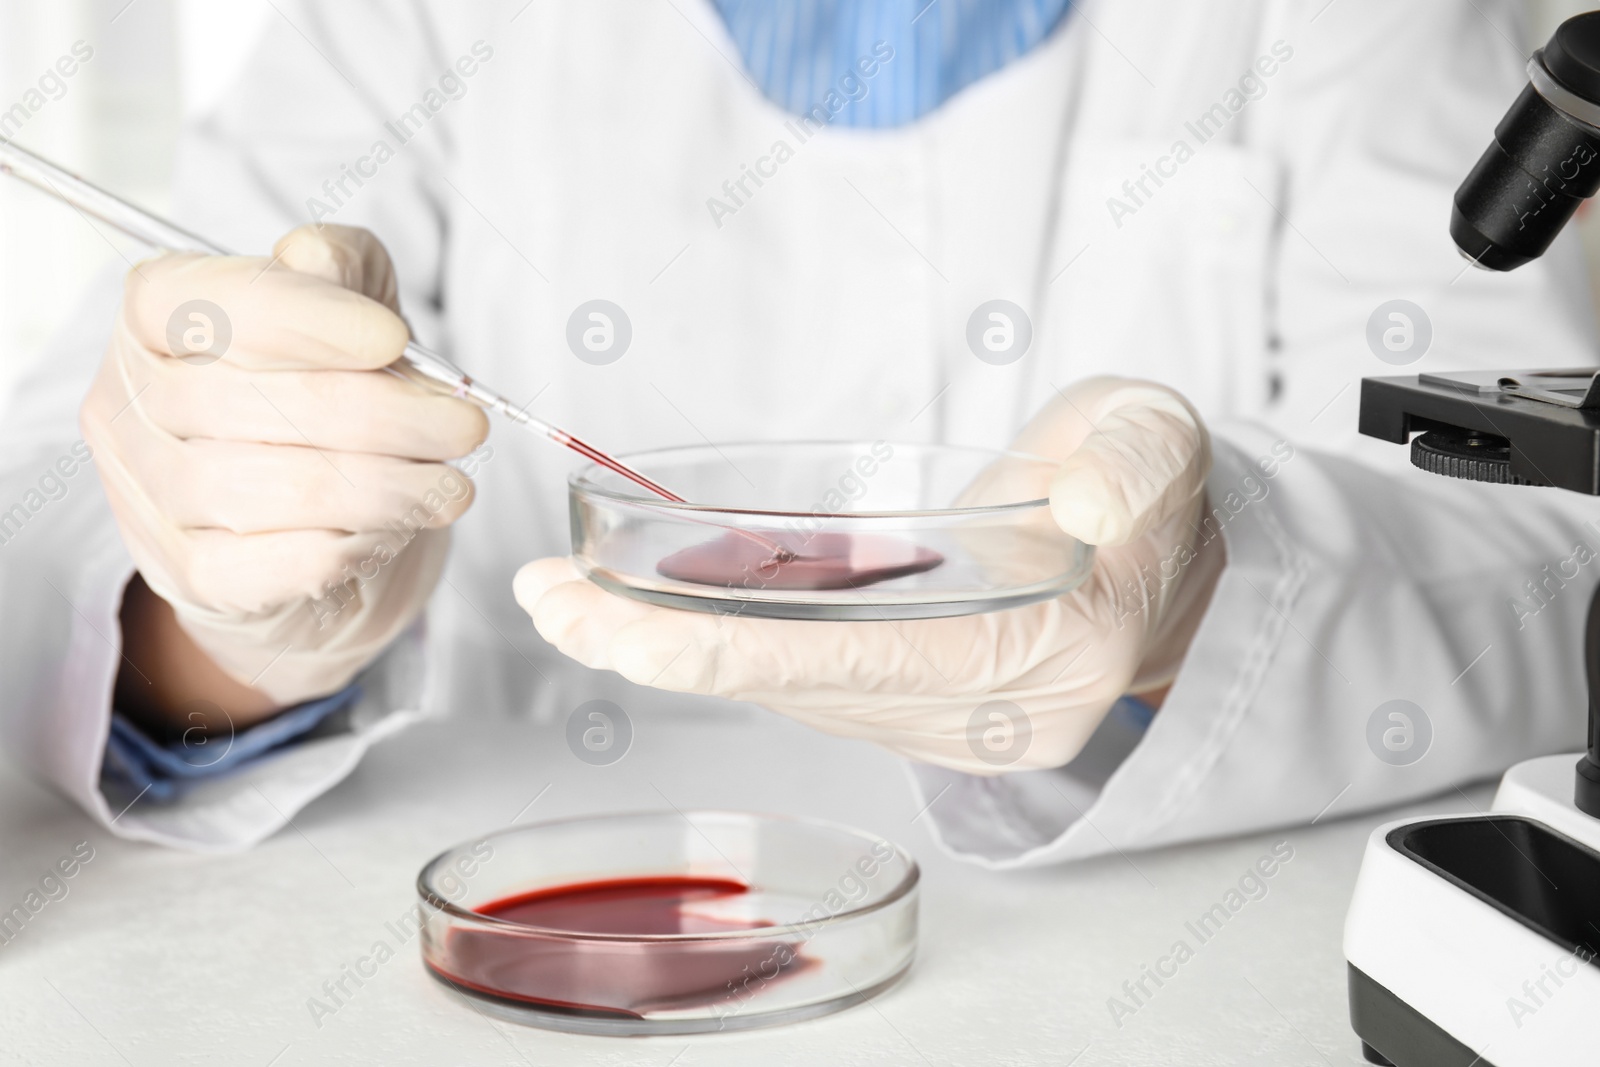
827, 530
669, 923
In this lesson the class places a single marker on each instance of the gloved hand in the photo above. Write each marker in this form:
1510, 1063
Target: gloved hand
1134, 460
285, 496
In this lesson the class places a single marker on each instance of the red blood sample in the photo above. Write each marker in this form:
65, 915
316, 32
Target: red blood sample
821, 561
539, 965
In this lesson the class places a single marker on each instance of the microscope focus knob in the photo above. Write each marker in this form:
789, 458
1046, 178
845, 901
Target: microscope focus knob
1456, 453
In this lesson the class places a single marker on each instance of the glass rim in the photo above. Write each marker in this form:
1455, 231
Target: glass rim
580, 484
439, 903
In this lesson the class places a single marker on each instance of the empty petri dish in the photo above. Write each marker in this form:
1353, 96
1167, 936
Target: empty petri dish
669, 923
827, 530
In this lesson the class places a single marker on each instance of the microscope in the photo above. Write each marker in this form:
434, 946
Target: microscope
1472, 941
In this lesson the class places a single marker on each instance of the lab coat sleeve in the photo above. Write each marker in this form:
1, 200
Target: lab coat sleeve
1356, 588
312, 105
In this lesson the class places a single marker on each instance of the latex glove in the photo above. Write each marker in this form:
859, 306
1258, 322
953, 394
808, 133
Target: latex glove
1135, 457
288, 499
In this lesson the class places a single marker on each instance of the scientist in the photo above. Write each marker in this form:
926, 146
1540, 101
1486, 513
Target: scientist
788, 215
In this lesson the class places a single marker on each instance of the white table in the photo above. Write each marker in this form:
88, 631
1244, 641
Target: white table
160, 957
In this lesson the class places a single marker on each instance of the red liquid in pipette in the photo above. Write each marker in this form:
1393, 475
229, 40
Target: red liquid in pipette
538, 965
588, 451
776, 553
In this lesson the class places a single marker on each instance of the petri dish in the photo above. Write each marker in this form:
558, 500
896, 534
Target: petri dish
669, 923
871, 530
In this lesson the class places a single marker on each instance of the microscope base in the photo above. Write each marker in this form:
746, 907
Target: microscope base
1542, 789
1378, 1015
1468, 944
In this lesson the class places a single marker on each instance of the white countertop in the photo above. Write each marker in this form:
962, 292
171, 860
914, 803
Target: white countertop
162, 957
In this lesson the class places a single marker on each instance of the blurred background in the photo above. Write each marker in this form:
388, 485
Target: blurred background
114, 121
156, 62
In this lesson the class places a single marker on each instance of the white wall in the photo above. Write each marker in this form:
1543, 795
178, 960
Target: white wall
114, 121
1546, 15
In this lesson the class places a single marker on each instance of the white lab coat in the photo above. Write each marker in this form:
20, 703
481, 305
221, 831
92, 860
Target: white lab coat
833, 302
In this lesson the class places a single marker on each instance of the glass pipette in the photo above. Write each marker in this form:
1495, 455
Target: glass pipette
418, 364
